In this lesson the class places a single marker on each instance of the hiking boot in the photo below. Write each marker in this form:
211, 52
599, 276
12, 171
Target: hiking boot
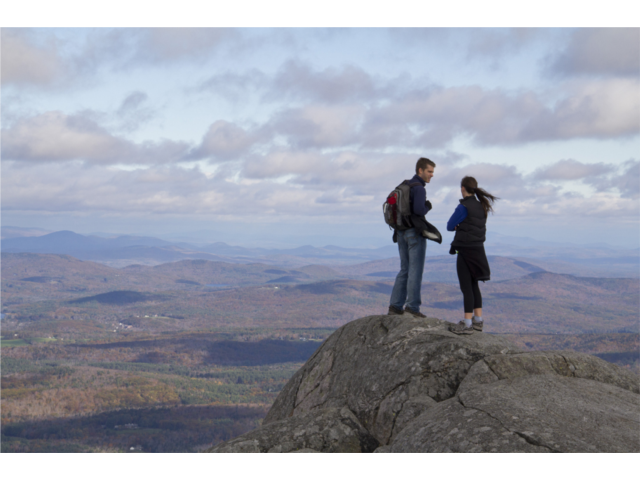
461, 329
395, 311
414, 313
477, 326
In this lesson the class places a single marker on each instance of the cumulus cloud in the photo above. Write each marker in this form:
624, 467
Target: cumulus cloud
43, 58
353, 178
319, 125
434, 116
485, 47
232, 86
134, 111
56, 137
421, 117
134, 47
344, 186
334, 141
599, 51
132, 102
298, 80
348, 172
570, 169
493, 43
625, 180
346, 106
227, 141
65, 188
345, 177
536, 196
161, 190
26, 61
173, 44
599, 109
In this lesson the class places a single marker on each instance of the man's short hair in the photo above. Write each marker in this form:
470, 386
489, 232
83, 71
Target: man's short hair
423, 162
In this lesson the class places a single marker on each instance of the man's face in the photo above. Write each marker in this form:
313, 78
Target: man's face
426, 173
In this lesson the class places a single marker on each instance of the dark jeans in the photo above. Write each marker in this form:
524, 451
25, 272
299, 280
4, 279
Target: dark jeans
469, 287
412, 248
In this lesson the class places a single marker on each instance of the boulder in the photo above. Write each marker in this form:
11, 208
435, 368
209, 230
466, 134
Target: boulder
565, 363
326, 430
390, 383
386, 369
535, 413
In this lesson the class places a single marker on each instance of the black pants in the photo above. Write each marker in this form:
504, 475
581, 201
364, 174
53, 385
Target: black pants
469, 287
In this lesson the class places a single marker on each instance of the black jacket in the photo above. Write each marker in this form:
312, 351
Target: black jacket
476, 260
427, 230
468, 242
471, 232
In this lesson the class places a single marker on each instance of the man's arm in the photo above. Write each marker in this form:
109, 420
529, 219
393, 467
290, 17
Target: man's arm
419, 198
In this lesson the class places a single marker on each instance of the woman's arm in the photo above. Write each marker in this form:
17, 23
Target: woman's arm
458, 216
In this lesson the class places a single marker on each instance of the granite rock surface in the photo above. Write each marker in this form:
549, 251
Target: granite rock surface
326, 430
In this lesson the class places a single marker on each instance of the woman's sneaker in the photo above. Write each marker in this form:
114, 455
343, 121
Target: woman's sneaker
461, 329
414, 313
477, 326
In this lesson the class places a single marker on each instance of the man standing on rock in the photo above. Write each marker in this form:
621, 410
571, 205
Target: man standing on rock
412, 246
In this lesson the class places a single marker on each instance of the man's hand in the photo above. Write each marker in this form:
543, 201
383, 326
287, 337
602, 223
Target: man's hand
428, 205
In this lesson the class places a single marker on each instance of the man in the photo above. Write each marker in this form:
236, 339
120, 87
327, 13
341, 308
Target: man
412, 247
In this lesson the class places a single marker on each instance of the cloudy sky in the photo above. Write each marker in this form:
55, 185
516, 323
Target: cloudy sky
295, 136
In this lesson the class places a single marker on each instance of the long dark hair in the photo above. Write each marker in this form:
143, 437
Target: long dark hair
486, 199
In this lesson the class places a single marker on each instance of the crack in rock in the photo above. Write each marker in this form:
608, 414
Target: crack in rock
531, 440
524, 436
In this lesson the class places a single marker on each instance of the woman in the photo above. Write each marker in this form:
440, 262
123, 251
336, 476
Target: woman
469, 222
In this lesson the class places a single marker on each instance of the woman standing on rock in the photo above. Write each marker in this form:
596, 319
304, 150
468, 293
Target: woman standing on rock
469, 222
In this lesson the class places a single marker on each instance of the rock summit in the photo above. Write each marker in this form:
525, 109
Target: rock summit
389, 383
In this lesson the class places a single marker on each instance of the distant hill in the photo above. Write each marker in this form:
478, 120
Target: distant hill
65, 275
68, 242
307, 251
38, 287
438, 269
126, 250
120, 297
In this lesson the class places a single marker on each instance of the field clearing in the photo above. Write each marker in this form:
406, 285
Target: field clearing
19, 342
13, 343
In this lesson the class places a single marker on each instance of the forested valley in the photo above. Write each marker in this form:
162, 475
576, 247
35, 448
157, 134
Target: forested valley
181, 356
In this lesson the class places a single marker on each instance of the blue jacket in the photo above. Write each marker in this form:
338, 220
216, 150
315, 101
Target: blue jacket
458, 216
419, 196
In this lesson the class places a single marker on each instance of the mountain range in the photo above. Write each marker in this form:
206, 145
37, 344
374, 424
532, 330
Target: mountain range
127, 249
598, 260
